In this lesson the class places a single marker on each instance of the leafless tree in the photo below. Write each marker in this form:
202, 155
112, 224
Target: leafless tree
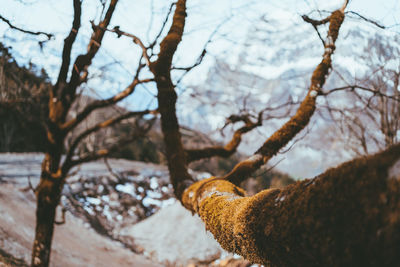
62, 94
371, 119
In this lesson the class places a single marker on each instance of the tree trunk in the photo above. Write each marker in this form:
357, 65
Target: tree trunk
48, 196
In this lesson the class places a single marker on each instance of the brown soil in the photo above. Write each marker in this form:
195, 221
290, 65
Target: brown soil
74, 243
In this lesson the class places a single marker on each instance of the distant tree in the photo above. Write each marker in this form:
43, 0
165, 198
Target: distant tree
370, 121
23, 105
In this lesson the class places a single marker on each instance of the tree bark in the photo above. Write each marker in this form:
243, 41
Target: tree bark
177, 163
348, 216
48, 196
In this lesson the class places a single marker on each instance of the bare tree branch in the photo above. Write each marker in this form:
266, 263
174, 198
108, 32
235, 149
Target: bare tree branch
229, 148
68, 42
151, 46
315, 24
202, 54
135, 39
107, 123
101, 153
367, 19
82, 62
48, 35
353, 87
97, 104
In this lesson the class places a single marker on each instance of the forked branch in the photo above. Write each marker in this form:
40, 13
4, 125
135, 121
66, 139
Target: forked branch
107, 123
97, 104
232, 145
68, 42
82, 62
300, 120
135, 39
105, 152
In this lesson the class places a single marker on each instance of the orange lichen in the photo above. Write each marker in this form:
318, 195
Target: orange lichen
348, 216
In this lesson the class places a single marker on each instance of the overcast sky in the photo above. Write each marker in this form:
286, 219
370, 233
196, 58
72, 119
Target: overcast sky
234, 16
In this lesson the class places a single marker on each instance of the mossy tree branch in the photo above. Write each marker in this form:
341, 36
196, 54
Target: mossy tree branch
348, 216
161, 68
300, 120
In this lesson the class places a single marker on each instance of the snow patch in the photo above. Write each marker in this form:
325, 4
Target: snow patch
174, 243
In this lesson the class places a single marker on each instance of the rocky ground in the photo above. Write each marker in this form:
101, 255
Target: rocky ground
107, 207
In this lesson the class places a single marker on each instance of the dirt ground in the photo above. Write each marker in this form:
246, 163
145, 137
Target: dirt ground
75, 244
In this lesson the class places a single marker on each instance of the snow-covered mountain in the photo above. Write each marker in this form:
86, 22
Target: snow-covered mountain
275, 66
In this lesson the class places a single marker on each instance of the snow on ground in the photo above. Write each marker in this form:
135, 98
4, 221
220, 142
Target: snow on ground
101, 204
182, 241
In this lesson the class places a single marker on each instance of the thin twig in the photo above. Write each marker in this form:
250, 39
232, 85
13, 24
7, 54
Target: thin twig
135, 39
367, 19
29, 187
109, 168
162, 26
353, 87
270, 168
48, 35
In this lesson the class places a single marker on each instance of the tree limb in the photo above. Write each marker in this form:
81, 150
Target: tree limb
353, 87
151, 46
297, 123
367, 19
107, 123
161, 68
101, 153
68, 42
315, 22
231, 146
314, 222
48, 35
97, 104
82, 62
135, 39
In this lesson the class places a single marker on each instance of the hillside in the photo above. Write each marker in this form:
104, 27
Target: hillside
102, 210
